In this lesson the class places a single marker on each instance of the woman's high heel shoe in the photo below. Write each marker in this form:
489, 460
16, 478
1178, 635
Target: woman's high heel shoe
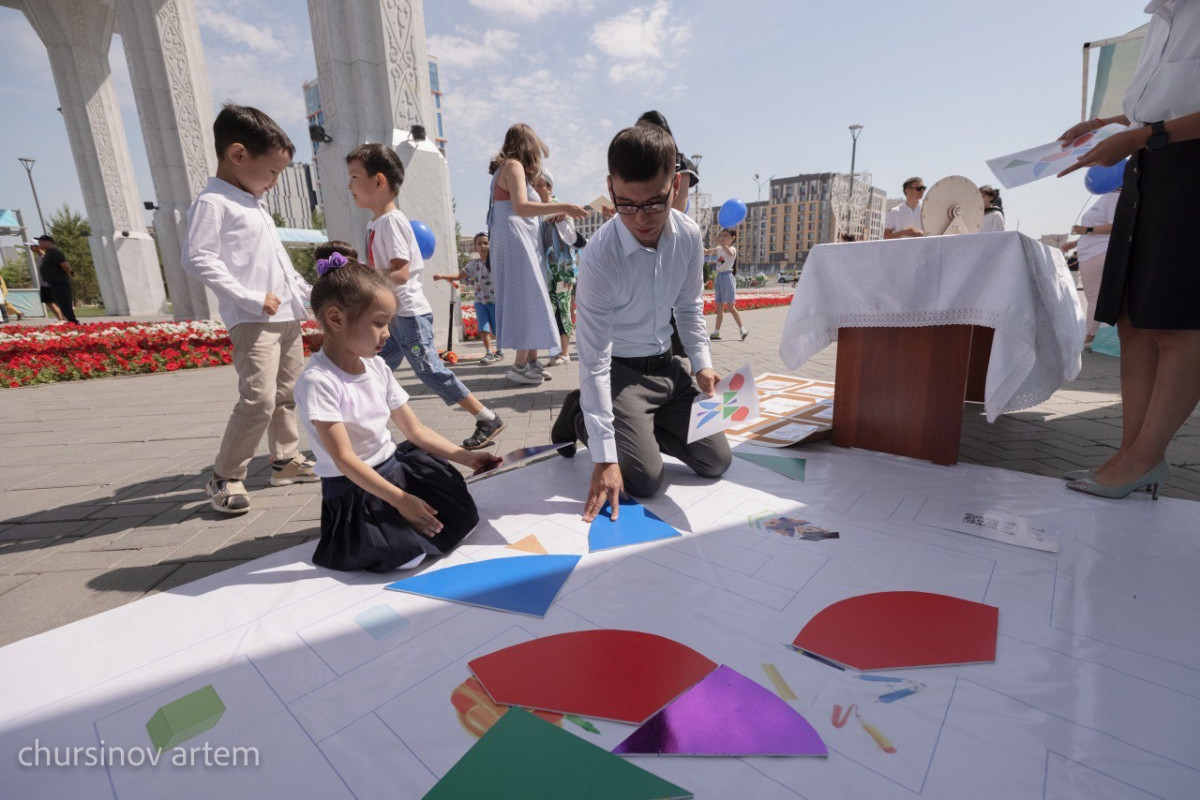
1157, 476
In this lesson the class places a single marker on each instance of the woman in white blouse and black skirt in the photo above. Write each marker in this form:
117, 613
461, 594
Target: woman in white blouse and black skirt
1151, 284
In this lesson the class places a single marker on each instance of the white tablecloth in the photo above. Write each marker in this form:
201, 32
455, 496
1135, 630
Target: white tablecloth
1005, 281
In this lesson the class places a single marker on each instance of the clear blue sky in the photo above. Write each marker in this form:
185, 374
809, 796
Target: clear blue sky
758, 86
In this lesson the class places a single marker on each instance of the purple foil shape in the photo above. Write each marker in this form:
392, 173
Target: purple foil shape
725, 714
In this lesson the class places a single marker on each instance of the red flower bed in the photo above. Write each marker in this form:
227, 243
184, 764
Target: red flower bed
50, 353
747, 301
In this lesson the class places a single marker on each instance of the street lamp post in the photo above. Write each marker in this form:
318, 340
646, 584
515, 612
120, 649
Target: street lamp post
759, 182
855, 130
28, 163
696, 190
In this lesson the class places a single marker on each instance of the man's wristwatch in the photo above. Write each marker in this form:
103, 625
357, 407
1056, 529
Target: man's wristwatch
1088, 229
1158, 136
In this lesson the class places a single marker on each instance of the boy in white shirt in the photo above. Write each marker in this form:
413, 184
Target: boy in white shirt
376, 174
233, 249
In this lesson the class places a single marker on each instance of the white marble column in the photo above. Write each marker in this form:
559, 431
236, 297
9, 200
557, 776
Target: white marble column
170, 85
374, 78
77, 34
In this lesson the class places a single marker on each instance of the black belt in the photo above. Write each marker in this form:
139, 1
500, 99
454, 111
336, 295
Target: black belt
646, 363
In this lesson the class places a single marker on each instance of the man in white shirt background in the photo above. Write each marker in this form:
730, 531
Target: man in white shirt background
904, 220
635, 398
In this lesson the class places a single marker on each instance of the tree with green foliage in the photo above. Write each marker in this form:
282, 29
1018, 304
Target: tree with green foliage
71, 232
16, 272
318, 220
280, 222
304, 262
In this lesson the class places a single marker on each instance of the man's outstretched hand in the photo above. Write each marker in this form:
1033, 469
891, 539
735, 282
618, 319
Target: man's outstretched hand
606, 487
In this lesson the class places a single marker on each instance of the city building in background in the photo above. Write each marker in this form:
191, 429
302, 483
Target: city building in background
436, 90
804, 211
294, 195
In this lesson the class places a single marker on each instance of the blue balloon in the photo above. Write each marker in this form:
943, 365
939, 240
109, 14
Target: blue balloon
425, 241
732, 212
1102, 180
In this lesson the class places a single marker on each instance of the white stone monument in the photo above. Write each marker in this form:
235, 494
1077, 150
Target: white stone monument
374, 78
77, 34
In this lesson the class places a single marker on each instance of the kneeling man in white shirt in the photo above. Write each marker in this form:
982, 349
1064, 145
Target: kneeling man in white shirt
635, 398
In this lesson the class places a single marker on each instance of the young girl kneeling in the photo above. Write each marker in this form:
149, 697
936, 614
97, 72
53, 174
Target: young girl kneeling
383, 506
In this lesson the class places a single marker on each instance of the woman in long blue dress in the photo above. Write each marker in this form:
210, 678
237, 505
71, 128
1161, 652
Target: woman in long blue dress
524, 319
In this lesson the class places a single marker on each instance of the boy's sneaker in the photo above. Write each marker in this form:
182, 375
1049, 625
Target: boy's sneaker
297, 470
745, 333
499, 354
485, 431
522, 374
491, 357
537, 368
228, 496
559, 360
715, 336
563, 429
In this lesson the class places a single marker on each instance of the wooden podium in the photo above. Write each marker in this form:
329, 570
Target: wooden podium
901, 390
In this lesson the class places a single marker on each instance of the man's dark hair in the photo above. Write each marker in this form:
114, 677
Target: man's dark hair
46, 238
378, 159
911, 182
326, 249
654, 118
250, 128
641, 153
481, 233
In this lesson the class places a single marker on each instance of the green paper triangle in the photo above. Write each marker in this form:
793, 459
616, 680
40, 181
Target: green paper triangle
730, 411
1016, 162
784, 465
523, 757
729, 396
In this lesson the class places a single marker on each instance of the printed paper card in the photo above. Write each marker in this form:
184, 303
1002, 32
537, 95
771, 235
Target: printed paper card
988, 523
734, 401
1045, 160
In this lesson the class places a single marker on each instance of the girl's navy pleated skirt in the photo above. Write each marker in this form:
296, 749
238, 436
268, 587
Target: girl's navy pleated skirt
361, 531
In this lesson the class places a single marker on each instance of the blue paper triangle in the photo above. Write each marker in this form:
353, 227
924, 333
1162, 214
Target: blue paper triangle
523, 584
635, 524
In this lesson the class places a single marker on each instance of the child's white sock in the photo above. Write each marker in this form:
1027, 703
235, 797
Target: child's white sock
485, 414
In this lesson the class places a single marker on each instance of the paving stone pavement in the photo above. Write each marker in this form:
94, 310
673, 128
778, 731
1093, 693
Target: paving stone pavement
101, 482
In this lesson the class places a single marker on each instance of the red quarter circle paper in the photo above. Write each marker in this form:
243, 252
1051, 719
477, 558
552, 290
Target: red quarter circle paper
624, 676
725, 714
894, 630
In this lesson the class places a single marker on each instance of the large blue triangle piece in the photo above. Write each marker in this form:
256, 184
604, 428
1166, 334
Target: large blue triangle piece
522, 584
635, 524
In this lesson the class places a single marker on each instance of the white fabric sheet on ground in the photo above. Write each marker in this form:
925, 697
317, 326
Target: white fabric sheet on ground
344, 688
1005, 281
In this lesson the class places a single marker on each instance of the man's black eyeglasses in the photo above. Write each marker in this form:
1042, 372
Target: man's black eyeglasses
657, 207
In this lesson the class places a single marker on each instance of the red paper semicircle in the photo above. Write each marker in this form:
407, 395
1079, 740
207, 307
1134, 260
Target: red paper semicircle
625, 676
735, 383
893, 630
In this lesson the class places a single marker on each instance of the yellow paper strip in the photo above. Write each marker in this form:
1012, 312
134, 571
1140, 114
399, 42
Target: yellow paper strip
781, 687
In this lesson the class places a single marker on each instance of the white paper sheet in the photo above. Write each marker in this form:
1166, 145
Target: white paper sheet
989, 522
734, 402
1095, 691
1043, 161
